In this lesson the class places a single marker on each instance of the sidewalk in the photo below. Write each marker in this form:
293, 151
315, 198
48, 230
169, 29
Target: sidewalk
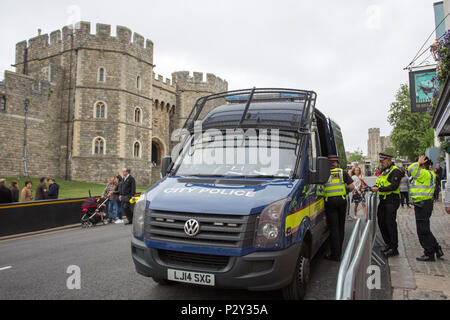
414, 280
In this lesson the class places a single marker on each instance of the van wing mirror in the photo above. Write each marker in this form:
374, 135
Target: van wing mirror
322, 173
165, 165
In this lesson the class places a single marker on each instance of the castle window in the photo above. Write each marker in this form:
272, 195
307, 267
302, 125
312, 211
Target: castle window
51, 73
2, 104
137, 150
101, 75
138, 82
138, 115
100, 110
99, 146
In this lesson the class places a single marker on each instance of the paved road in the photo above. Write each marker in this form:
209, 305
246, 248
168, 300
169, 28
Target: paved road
38, 270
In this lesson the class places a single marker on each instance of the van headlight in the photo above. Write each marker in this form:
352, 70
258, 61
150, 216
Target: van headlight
269, 226
139, 215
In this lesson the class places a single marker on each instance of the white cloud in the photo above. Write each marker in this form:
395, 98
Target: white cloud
373, 13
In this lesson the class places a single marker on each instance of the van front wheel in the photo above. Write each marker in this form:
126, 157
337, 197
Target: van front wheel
296, 290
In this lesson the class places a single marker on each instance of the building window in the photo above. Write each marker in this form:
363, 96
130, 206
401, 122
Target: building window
2, 104
101, 75
138, 82
137, 150
100, 110
99, 146
50, 72
138, 115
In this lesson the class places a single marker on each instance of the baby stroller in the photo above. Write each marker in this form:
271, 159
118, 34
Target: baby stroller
93, 211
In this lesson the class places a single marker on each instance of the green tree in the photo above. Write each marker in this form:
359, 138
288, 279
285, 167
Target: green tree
412, 133
356, 156
390, 150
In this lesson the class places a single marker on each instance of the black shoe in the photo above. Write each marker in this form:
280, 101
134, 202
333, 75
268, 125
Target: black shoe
390, 253
332, 257
439, 252
426, 257
127, 223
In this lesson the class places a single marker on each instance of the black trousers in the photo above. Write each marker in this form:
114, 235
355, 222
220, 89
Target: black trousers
336, 209
127, 208
387, 220
423, 211
404, 198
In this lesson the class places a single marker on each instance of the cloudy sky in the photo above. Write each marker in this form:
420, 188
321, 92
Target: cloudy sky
352, 52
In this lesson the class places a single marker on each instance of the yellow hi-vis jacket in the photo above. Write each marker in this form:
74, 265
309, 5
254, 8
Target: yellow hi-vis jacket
335, 186
382, 181
422, 184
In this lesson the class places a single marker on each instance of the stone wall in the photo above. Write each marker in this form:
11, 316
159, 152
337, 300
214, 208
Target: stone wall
42, 122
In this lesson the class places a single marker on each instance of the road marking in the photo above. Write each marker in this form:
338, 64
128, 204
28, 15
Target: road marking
5, 268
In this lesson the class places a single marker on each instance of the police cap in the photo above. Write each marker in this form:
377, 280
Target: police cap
384, 156
333, 157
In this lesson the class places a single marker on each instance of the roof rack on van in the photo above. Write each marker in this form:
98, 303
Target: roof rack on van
306, 99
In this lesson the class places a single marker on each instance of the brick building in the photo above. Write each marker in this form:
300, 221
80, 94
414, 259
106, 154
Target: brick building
94, 106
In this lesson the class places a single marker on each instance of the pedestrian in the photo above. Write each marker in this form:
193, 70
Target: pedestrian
108, 193
359, 193
27, 194
127, 191
388, 188
404, 190
5, 193
14, 187
41, 190
53, 189
439, 176
422, 187
336, 206
447, 197
118, 185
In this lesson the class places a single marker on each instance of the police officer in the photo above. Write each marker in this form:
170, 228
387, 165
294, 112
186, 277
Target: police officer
422, 187
336, 206
388, 188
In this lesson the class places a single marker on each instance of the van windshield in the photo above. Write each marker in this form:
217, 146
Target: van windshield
239, 153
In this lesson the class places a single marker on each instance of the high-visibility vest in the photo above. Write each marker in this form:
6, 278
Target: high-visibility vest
335, 186
382, 181
422, 184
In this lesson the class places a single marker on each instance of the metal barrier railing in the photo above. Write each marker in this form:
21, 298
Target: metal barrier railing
348, 255
351, 283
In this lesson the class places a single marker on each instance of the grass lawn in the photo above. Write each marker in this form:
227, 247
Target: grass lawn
67, 189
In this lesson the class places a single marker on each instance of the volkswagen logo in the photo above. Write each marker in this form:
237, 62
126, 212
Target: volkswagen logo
191, 227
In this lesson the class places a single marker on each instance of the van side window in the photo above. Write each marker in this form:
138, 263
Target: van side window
313, 143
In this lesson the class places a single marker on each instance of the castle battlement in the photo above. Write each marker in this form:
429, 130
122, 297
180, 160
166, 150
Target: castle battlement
159, 81
184, 81
26, 83
59, 41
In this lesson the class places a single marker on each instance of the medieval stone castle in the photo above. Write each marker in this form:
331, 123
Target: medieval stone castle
376, 144
82, 106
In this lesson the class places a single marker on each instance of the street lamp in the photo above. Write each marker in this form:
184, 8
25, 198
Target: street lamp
26, 104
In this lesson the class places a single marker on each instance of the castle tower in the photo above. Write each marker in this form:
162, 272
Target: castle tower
190, 89
106, 111
373, 144
96, 105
